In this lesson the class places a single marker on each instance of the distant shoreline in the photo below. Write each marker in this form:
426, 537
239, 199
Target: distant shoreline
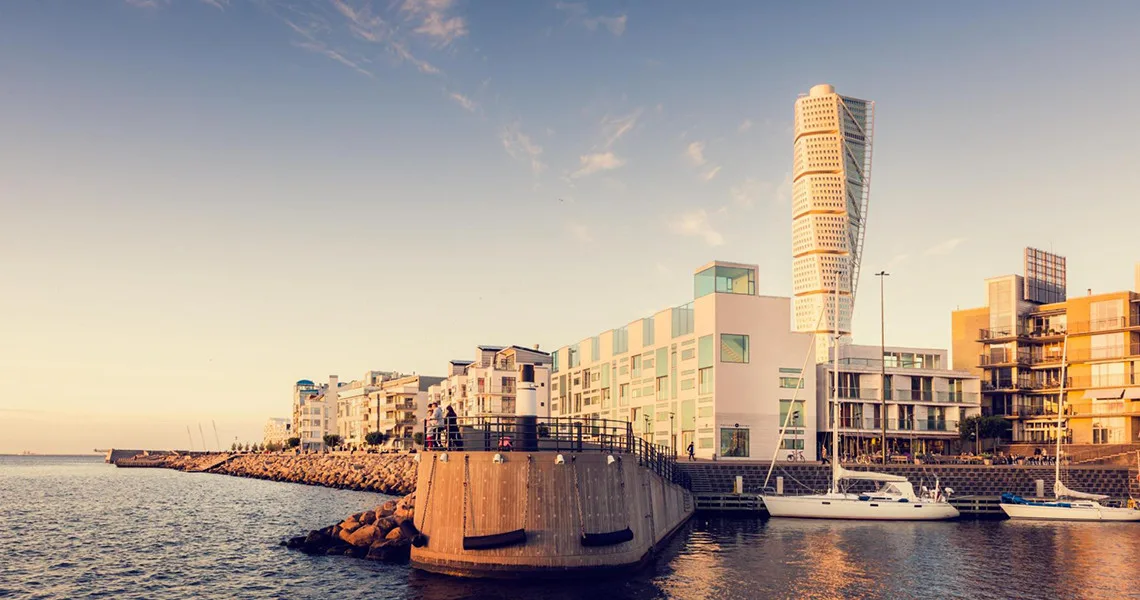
36, 454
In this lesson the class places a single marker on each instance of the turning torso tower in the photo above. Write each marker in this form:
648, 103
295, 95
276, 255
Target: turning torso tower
831, 177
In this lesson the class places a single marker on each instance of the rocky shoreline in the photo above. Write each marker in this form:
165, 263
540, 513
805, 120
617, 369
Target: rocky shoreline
392, 474
386, 533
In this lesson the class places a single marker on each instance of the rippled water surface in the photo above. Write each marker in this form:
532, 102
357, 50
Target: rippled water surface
77, 528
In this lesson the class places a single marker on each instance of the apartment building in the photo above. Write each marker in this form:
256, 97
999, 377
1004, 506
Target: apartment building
924, 399
314, 411
718, 372
1016, 343
352, 401
277, 431
487, 385
398, 408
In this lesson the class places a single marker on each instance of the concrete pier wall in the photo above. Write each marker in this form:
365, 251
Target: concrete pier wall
554, 503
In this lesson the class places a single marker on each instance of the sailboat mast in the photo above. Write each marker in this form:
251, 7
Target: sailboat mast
835, 389
1060, 411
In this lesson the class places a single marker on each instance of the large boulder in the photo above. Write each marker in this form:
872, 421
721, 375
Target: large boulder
363, 537
390, 551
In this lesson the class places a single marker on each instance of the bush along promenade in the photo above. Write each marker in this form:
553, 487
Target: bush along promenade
385, 533
393, 474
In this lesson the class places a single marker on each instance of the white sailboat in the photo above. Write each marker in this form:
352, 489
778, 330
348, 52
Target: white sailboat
1068, 505
895, 499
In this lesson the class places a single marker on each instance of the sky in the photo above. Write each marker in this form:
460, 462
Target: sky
206, 200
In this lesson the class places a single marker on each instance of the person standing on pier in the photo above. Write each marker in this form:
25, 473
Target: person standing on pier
692, 451
452, 427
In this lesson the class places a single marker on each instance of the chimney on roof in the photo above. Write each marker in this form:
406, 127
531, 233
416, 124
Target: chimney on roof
536, 346
1090, 291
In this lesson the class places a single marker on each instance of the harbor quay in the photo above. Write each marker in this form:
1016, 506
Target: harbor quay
976, 489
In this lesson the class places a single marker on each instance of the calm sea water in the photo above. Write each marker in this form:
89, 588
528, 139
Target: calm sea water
77, 528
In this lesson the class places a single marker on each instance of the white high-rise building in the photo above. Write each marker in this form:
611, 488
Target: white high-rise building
830, 190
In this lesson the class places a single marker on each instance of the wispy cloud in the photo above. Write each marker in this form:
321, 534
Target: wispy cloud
709, 174
696, 153
897, 260
696, 224
433, 19
943, 248
613, 128
599, 161
401, 51
321, 48
579, 13
745, 125
579, 232
153, 4
520, 147
751, 192
362, 23
467, 103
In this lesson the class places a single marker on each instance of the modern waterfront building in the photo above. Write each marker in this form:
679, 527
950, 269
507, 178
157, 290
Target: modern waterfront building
831, 178
398, 408
277, 431
925, 399
352, 401
487, 385
314, 411
1016, 342
719, 371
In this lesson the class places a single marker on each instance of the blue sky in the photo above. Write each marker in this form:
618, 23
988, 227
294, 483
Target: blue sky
207, 200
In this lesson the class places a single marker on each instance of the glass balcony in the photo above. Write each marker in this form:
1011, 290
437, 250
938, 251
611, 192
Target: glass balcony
724, 280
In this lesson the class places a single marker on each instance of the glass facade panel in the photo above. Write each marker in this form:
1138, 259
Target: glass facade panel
724, 280
734, 442
621, 341
682, 320
705, 351
733, 348
662, 361
647, 333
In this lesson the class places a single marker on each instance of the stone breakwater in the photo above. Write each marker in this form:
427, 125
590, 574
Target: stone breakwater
392, 474
385, 533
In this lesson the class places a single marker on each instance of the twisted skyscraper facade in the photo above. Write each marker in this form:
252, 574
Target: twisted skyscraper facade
831, 176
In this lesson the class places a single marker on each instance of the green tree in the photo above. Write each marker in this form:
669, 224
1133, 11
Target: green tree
983, 428
234, 447
332, 440
375, 438
273, 447
418, 438
292, 442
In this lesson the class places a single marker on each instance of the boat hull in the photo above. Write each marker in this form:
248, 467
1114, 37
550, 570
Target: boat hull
846, 506
1045, 512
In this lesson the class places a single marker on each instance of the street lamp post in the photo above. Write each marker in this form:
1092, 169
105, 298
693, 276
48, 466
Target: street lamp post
672, 435
882, 275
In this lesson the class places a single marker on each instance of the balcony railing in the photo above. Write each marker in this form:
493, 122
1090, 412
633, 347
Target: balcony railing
1098, 381
905, 395
871, 424
956, 397
1051, 332
998, 357
846, 393
1002, 333
1103, 325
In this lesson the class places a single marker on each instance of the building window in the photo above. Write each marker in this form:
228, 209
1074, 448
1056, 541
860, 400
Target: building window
705, 380
793, 442
575, 357
797, 418
554, 361
595, 348
791, 382
733, 348
724, 280
734, 442
623, 394
688, 354
662, 388
636, 366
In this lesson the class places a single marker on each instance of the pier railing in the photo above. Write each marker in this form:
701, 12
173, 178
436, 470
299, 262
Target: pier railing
498, 433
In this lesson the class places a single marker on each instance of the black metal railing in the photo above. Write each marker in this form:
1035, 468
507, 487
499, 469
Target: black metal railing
500, 433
